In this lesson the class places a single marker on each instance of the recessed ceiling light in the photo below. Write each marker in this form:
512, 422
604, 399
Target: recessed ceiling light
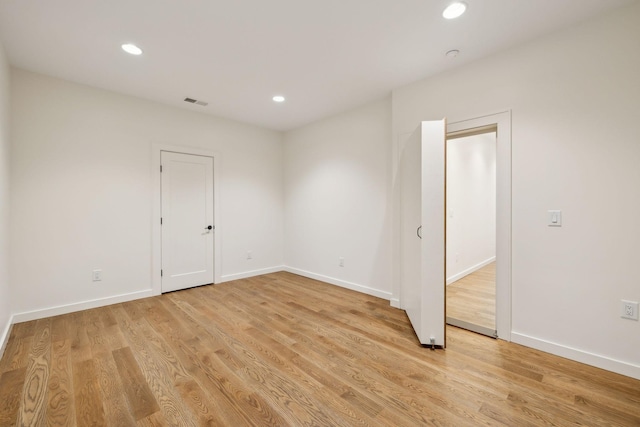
454, 10
278, 98
132, 49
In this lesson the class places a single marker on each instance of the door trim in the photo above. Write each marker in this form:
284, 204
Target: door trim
503, 211
156, 211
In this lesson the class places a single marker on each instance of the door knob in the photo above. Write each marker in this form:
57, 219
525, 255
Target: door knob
210, 227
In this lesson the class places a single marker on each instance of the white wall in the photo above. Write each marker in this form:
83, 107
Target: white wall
5, 306
337, 197
575, 101
471, 204
82, 190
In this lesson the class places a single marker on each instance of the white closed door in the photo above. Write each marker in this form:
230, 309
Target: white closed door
422, 176
187, 221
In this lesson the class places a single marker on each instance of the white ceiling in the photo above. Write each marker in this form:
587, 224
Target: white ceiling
324, 56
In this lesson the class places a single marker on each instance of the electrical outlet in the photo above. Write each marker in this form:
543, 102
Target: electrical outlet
249, 254
97, 275
341, 262
629, 310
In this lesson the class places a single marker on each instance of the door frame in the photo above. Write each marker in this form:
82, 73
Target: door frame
503, 211
156, 211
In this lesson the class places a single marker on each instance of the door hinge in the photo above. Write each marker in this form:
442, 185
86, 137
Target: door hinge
160, 168
160, 220
160, 273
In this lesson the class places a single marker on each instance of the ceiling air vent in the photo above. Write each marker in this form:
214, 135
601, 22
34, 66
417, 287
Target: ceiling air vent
195, 101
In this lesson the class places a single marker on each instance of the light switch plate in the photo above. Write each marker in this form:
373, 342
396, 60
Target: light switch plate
554, 218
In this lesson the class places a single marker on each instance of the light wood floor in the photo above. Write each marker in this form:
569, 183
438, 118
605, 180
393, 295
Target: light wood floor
472, 299
284, 350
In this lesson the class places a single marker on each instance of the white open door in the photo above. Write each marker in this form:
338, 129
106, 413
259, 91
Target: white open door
422, 176
187, 221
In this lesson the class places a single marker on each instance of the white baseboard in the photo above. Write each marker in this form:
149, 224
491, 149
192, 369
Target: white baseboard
599, 361
4, 338
84, 305
252, 273
344, 284
470, 270
394, 302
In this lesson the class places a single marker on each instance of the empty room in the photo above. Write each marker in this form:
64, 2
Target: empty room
337, 213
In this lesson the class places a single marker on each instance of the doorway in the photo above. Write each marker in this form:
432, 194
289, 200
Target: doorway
471, 230
422, 213
501, 124
186, 220
210, 273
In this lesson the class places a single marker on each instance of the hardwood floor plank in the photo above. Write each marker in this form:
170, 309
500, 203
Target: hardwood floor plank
607, 387
506, 417
280, 350
347, 401
232, 399
93, 322
540, 412
10, 383
117, 411
472, 298
162, 390
61, 328
164, 355
60, 401
32, 406
155, 420
500, 374
80, 345
107, 316
383, 378
202, 406
24, 329
287, 361
609, 413
141, 400
16, 354
253, 371
134, 309
381, 368
87, 398
18, 347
